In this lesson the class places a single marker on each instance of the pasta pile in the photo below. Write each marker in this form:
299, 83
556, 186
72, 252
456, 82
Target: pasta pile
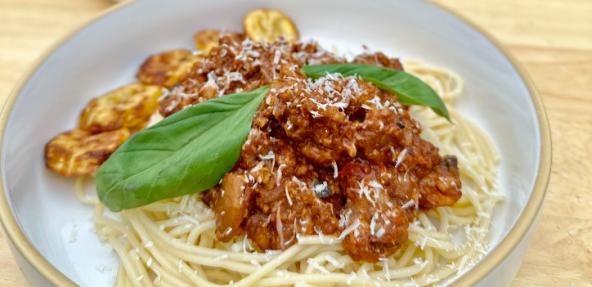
172, 242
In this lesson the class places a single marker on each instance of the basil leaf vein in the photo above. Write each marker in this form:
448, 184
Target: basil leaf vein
188, 152
409, 89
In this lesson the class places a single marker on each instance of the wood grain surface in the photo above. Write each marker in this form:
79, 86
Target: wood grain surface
552, 38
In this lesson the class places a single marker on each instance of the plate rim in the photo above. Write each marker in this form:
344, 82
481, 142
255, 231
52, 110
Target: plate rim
493, 259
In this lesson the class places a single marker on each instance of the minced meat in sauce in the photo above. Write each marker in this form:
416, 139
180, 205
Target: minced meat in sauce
332, 156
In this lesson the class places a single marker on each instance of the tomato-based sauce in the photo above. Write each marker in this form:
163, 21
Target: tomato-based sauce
332, 156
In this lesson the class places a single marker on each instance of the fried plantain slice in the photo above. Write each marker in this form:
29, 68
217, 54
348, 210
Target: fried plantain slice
269, 25
206, 40
168, 68
127, 107
78, 152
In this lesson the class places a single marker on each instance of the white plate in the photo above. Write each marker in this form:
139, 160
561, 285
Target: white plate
107, 52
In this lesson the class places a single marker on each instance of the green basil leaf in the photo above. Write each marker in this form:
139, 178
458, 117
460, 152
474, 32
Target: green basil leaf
409, 89
185, 153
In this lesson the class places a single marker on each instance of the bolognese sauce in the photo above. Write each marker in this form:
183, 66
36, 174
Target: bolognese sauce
332, 156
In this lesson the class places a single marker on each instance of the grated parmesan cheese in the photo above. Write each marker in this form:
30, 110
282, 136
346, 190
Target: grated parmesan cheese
376, 102
269, 156
364, 191
73, 234
375, 184
335, 169
102, 268
279, 226
276, 57
278, 175
349, 229
380, 232
288, 195
401, 157
315, 114
234, 77
373, 223
408, 204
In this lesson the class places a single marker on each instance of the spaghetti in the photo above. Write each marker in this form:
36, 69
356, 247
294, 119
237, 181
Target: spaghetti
173, 242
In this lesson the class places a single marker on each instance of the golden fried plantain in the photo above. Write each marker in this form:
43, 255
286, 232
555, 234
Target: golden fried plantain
268, 25
78, 152
206, 40
167, 68
127, 107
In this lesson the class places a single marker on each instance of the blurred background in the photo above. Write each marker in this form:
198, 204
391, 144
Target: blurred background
551, 38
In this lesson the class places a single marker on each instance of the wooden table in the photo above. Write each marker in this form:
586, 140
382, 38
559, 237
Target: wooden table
552, 38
